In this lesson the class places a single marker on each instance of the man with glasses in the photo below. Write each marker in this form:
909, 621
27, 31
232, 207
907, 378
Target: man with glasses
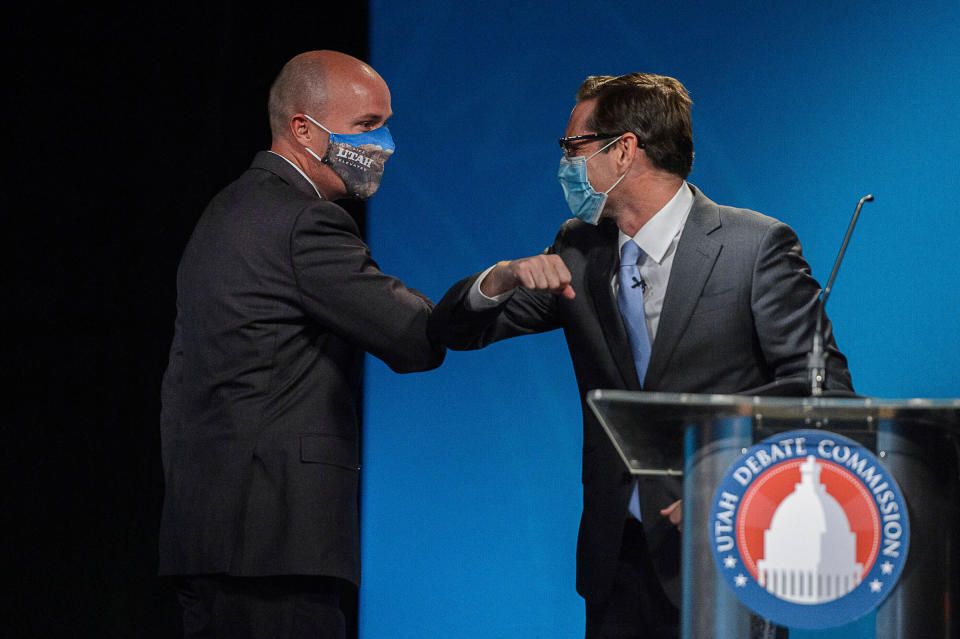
657, 288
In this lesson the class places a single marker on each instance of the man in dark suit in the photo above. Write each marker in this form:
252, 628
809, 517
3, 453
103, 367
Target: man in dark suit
278, 299
657, 288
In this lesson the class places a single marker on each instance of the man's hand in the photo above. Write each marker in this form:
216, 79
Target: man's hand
674, 512
538, 273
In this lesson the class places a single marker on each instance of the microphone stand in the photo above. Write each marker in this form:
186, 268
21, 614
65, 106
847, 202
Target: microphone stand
817, 359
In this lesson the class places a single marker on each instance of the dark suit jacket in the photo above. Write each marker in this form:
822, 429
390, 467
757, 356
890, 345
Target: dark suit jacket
277, 299
738, 313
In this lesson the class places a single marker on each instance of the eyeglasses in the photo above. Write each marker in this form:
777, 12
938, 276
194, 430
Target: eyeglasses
572, 143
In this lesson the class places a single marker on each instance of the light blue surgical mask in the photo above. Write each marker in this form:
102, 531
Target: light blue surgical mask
357, 158
585, 203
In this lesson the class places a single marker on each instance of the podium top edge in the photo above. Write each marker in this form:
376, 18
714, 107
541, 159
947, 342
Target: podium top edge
755, 401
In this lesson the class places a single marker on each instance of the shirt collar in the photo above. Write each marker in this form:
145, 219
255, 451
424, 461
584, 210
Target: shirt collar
654, 237
300, 172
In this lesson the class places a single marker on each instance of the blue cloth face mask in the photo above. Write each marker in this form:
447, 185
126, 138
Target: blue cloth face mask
584, 202
357, 159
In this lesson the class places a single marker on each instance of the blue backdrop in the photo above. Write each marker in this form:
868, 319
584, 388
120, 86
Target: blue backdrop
472, 494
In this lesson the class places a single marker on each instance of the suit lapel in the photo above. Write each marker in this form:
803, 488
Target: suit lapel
282, 167
600, 267
696, 255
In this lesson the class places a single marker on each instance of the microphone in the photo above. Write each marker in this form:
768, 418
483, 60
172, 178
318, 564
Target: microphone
817, 359
641, 283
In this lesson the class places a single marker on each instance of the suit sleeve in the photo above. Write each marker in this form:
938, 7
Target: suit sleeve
459, 328
343, 289
784, 299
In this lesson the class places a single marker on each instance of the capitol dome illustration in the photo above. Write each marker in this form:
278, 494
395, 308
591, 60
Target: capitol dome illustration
809, 551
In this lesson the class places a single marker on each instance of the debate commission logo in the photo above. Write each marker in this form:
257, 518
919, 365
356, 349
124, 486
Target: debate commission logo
809, 529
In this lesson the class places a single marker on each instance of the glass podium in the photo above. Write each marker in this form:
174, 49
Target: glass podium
704, 437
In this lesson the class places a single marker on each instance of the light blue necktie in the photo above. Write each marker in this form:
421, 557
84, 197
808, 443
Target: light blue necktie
630, 300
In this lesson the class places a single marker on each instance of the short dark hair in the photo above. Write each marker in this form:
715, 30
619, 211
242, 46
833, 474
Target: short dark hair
655, 108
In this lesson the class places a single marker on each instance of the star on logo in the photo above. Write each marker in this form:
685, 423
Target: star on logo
875, 585
729, 562
740, 580
886, 567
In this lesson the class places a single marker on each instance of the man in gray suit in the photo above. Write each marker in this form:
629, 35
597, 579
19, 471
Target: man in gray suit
656, 288
277, 300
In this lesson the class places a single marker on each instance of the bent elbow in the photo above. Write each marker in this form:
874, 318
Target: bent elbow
424, 357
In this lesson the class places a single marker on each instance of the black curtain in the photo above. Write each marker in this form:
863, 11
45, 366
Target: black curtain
121, 125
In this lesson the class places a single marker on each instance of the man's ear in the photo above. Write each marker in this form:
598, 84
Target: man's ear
628, 148
305, 133
300, 129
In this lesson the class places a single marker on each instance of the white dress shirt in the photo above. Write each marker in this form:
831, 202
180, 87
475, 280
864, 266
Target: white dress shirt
658, 240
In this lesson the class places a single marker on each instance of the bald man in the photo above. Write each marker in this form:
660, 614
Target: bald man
277, 300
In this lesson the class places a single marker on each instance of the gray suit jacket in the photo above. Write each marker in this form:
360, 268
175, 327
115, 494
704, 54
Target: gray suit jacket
277, 300
738, 313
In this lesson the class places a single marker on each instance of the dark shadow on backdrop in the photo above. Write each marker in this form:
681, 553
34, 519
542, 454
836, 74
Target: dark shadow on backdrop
124, 125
